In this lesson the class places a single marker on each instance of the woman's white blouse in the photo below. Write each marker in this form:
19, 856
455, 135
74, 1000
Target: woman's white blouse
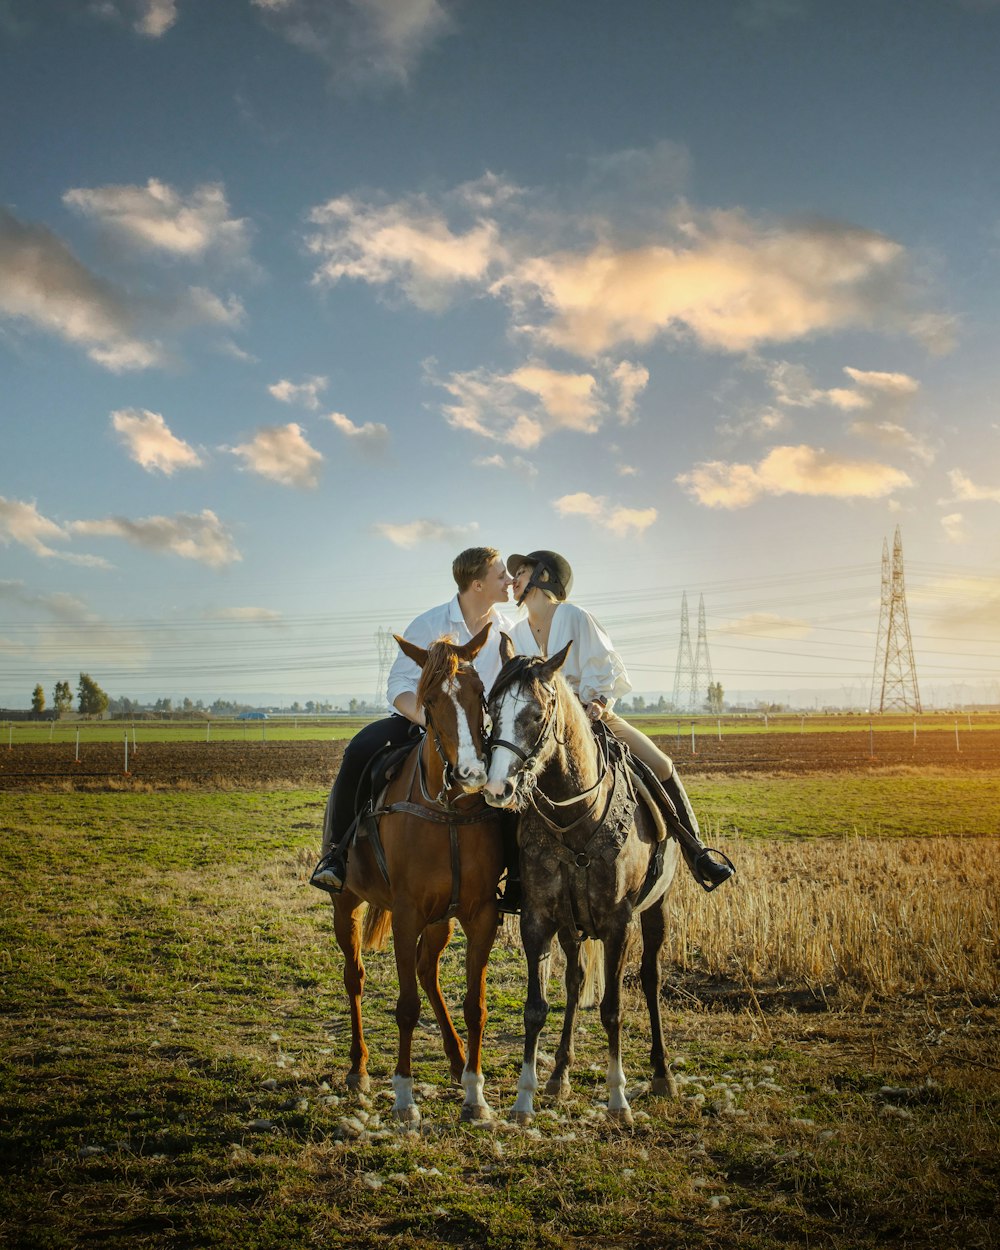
593, 666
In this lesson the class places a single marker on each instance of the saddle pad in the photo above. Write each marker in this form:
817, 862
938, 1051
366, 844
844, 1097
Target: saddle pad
645, 796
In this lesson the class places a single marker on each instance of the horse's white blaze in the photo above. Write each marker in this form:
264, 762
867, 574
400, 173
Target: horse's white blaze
616, 1086
526, 1087
468, 761
403, 1089
473, 1083
503, 761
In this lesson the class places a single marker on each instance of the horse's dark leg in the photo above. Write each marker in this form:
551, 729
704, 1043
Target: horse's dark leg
347, 927
432, 942
405, 932
614, 959
654, 933
536, 938
480, 933
558, 1082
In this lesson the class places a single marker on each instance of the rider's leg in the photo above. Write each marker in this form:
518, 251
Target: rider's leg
510, 899
341, 806
708, 867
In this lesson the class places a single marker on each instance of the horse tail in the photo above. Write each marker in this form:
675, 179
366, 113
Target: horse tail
593, 973
376, 928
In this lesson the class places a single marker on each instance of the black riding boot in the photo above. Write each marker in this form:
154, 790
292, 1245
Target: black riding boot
510, 900
710, 868
331, 871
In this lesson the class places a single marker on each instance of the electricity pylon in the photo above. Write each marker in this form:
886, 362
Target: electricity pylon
894, 680
693, 674
386, 654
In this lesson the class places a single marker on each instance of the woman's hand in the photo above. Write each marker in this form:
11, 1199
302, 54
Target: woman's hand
594, 710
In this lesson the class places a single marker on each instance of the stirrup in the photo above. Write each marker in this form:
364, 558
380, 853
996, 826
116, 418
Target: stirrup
329, 874
509, 902
711, 873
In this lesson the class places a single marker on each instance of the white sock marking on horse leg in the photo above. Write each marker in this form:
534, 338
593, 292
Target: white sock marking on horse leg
616, 1086
473, 1083
403, 1089
526, 1087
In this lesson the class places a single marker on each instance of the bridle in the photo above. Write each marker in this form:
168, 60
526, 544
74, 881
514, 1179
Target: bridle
447, 768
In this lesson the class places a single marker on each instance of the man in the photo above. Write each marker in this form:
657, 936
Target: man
483, 583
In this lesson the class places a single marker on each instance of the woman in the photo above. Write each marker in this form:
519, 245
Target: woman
594, 669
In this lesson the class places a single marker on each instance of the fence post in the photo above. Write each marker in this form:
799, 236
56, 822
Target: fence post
126, 752
871, 740
957, 747
77, 760
694, 749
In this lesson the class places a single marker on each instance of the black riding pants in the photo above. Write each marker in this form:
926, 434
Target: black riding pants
342, 804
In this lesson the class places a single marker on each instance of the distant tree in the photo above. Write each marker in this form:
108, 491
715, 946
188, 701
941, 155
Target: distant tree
62, 697
93, 700
716, 697
38, 700
188, 705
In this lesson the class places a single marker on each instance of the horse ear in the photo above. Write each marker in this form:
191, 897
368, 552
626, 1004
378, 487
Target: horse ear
473, 647
506, 648
417, 654
554, 663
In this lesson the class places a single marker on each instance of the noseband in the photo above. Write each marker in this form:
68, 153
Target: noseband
447, 768
514, 671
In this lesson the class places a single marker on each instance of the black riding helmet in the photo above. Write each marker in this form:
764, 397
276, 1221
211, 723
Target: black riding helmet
550, 572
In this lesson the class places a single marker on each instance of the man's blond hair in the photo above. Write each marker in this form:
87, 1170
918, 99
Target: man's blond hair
472, 564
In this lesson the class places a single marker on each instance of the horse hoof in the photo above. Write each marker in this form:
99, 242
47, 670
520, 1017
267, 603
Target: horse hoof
476, 1114
521, 1118
359, 1082
408, 1117
621, 1116
663, 1087
557, 1089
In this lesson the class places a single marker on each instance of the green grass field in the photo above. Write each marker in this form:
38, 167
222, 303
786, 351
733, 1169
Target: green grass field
174, 1043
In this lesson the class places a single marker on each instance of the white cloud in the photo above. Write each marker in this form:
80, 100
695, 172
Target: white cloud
306, 393
43, 283
765, 625
409, 244
896, 384
798, 470
158, 218
283, 454
22, 523
202, 536
415, 533
150, 443
728, 283
262, 615
631, 380
152, 18
954, 528
516, 464
527, 405
58, 604
620, 520
892, 434
371, 439
363, 42
965, 489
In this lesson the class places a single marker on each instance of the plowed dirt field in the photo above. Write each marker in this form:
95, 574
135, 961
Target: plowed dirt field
262, 764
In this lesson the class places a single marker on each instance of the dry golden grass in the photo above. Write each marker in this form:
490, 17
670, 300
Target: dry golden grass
889, 917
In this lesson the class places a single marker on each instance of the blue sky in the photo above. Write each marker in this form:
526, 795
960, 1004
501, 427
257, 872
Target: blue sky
299, 297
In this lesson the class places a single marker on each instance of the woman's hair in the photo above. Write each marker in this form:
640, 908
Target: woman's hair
471, 564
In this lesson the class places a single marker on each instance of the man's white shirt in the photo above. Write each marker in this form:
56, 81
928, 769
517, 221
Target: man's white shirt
446, 621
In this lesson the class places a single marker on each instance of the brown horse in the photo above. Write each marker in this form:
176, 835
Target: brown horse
436, 855
591, 863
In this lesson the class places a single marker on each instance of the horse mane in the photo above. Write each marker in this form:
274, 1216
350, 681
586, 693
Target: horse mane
441, 667
579, 731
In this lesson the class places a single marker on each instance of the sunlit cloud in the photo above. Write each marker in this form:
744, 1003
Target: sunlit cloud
407, 245
954, 528
283, 454
894, 436
22, 523
202, 536
516, 464
152, 18
798, 470
965, 489
364, 42
42, 283
306, 393
764, 625
371, 439
150, 443
58, 605
264, 616
415, 533
631, 380
615, 518
158, 218
532, 402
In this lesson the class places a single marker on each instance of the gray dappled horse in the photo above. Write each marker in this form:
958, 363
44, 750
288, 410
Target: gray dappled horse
589, 860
